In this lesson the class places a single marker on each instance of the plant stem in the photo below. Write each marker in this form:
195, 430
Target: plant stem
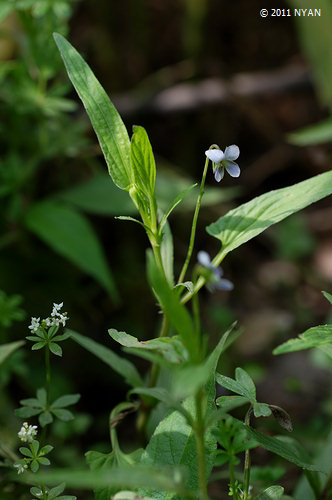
194, 224
199, 434
246, 477
48, 374
232, 481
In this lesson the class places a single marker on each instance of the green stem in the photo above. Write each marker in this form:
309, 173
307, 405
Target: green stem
199, 434
48, 374
232, 481
194, 224
246, 477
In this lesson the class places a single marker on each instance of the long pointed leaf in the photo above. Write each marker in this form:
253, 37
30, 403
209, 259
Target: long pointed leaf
105, 119
250, 219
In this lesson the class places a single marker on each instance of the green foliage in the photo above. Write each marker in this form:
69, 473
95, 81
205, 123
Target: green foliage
122, 366
247, 221
318, 336
7, 349
35, 456
40, 406
49, 339
53, 493
106, 121
10, 310
70, 234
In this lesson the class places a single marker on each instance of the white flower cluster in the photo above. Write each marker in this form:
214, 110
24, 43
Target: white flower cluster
56, 318
20, 468
35, 324
27, 433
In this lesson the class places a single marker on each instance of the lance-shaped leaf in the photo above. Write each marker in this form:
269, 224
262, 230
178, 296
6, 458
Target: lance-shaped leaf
142, 160
105, 119
71, 235
175, 311
120, 365
318, 336
250, 219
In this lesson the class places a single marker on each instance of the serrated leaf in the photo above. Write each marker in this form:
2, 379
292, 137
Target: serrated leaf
314, 337
7, 349
250, 219
66, 400
70, 234
142, 161
120, 365
106, 121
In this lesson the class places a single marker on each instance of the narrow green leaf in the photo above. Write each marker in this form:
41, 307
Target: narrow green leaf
7, 349
175, 311
34, 466
167, 252
314, 337
328, 296
142, 160
31, 402
71, 235
314, 134
284, 450
128, 477
250, 219
131, 219
38, 346
106, 121
66, 400
120, 365
316, 40
174, 203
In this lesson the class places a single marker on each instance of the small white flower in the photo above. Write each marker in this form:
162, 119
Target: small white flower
35, 324
20, 468
27, 432
224, 160
56, 309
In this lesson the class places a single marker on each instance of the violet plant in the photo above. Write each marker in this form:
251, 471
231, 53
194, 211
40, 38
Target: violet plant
189, 432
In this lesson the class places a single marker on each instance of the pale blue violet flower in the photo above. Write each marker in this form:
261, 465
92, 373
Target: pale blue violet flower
224, 160
216, 281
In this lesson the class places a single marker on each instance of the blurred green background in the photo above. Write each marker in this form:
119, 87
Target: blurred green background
193, 73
